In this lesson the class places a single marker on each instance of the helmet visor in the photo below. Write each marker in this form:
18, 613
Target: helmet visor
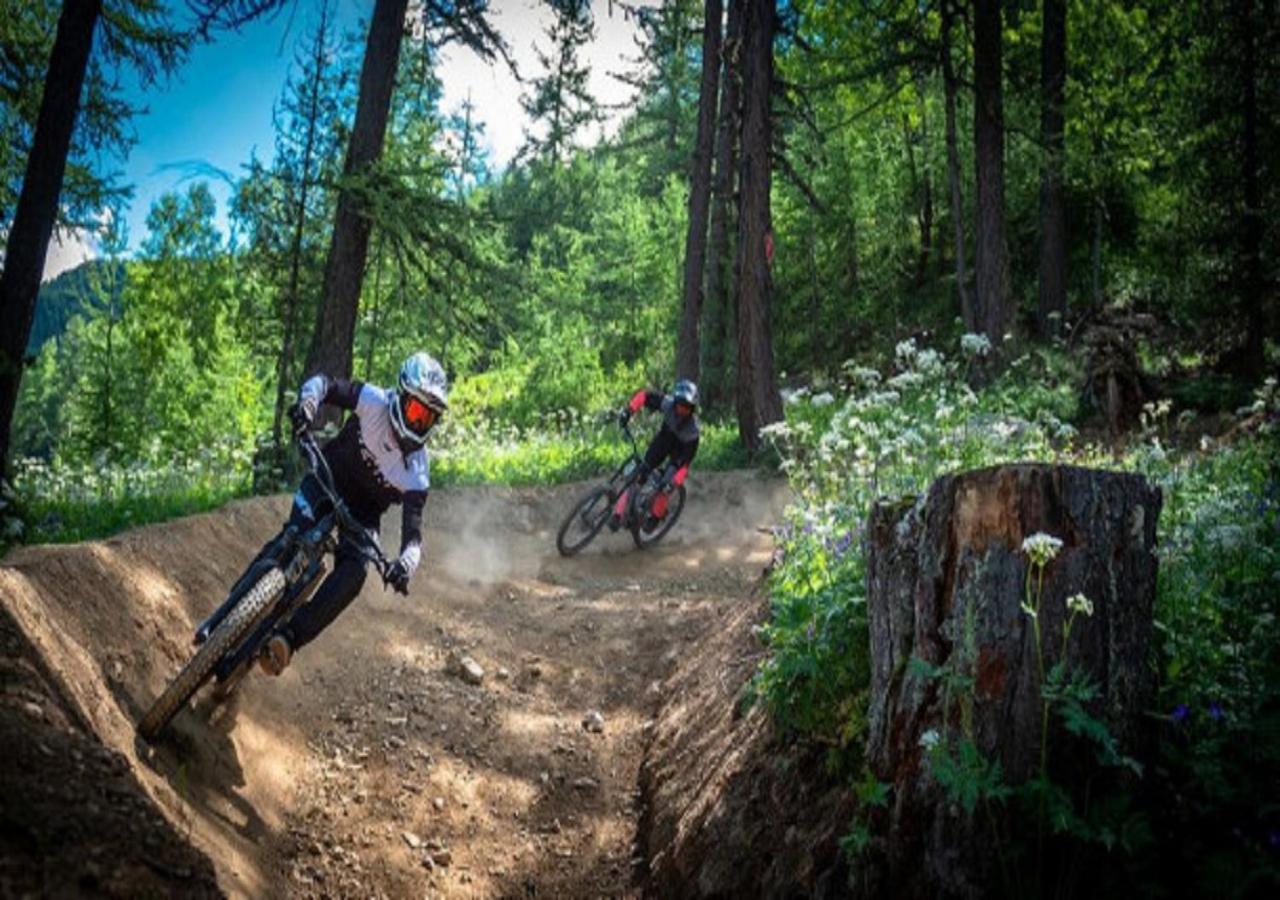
417, 415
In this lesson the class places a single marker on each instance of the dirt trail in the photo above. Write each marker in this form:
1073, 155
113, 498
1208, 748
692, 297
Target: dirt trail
370, 768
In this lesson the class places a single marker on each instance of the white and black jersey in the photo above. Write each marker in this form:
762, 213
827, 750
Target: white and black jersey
371, 470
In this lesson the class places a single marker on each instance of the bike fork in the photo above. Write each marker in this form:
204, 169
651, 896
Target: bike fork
247, 580
294, 596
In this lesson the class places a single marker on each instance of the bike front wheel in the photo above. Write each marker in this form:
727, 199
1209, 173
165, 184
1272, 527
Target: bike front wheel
230, 631
675, 506
585, 521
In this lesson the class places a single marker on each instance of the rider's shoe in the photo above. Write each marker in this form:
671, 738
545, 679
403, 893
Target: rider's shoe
276, 655
615, 521
650, 523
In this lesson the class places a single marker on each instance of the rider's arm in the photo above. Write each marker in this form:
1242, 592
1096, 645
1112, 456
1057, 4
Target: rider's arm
682, 459
411, 529
320, 389
648, 399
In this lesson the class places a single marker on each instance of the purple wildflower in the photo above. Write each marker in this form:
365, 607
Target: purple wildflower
1181, 712
1215, 711
1273, 838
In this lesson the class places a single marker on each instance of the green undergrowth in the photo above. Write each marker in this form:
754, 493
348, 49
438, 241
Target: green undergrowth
68, 500
868, 436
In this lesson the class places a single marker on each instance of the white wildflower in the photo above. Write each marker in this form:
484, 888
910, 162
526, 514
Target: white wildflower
905, 351
930, 739
928, 362
1041, 547
1079, 603
865, 377
975, 344
778, 429
823, 399
905, 381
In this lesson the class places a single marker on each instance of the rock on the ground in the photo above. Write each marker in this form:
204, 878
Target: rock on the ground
593, 721
470, 671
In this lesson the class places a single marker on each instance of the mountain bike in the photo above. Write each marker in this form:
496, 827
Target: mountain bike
277, 582
594, 509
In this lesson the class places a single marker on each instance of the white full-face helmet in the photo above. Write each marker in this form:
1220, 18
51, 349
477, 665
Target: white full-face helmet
420, 399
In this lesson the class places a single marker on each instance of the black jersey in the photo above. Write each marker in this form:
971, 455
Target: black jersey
370, 469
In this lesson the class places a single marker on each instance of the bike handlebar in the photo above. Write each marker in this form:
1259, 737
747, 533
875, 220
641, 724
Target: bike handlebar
319, 466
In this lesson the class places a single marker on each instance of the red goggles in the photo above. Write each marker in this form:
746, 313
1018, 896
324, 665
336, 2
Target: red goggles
417, 415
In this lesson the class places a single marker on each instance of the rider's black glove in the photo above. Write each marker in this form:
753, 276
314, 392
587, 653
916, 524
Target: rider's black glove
624, 417
398, 577
301, 415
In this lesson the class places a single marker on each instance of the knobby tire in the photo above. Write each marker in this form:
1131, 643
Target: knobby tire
567, 548
238, 623
673, 512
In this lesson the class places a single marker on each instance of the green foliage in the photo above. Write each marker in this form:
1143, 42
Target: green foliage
860, 440
557, 447
77, 500
866, 439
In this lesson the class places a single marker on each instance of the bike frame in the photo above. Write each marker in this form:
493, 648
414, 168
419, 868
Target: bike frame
301, 559
626, 477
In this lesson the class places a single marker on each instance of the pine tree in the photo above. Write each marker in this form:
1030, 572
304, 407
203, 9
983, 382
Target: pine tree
560, 103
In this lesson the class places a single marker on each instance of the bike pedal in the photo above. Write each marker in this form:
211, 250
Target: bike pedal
201, 636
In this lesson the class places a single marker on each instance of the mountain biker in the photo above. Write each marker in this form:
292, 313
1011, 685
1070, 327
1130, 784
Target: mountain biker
378, 458
676, 443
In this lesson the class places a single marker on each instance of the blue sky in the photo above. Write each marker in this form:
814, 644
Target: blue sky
216, 109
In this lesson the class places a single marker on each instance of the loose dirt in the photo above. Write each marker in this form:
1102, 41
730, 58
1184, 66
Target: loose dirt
372, 767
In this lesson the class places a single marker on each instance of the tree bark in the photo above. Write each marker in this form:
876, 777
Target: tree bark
953, 170
992, 295
716, 312
1053, 210
695, 254
759, 402
331, 347
946, 585
37, 209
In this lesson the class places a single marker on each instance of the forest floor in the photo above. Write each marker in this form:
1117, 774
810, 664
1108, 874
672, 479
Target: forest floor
371, 767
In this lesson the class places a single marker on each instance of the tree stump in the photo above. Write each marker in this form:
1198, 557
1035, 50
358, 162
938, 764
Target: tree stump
945, 583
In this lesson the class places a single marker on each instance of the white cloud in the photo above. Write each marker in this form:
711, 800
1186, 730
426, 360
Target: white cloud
496, 93
68, 249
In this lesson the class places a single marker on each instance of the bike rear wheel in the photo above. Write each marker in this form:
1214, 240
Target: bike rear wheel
674, 507
230, 631
584, 522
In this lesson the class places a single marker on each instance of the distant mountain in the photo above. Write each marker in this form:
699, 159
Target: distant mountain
70, 294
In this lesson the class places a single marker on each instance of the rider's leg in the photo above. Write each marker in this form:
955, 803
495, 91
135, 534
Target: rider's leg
309, 503
659, 449
333, 596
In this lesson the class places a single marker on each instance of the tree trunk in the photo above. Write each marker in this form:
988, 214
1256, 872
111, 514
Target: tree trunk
1251, 223
715, 333
759, 402
953, 170
923, 177
1099, 212
946, 585
1053, 211
331, 347
695, 254
992, 295
28, 240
